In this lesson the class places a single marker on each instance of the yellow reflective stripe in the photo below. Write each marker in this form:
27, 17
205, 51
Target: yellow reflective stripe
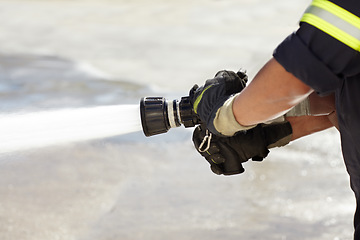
214, 161
198, 99
333, 31
335, 21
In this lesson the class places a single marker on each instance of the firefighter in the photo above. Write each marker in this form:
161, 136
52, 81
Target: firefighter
318, 65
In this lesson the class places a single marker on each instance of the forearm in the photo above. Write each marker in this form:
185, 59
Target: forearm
270, 94
322, 116
273, 92
306, 125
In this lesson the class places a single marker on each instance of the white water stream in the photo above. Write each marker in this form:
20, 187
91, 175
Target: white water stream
23, 131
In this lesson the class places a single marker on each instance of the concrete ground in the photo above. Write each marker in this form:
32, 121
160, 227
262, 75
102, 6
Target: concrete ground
57, 54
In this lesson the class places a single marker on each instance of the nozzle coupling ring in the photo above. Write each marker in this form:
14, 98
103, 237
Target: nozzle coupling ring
158, 115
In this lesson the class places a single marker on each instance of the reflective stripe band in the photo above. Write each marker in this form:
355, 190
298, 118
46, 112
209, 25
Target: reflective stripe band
335, 21
198, 99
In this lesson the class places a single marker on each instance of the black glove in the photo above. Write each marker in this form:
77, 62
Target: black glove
226, 154
207, 99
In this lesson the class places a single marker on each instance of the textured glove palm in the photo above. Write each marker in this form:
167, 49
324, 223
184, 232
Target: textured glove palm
207, 99
226, 154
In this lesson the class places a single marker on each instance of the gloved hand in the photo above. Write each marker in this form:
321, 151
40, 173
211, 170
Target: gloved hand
213, 101
226, 154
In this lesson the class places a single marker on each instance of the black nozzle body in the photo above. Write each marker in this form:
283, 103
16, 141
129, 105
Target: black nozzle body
159, 115
154, 115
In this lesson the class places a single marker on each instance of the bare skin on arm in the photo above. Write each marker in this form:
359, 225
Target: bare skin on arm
322, 105
325, 107
270, 94
306, 125
273, 92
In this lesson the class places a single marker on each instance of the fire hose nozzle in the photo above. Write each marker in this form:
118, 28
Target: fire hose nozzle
159, 115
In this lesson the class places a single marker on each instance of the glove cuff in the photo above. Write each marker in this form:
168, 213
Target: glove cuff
278, 134
225, 122
302, 109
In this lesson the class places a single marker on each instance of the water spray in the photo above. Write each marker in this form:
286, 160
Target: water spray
158, 115
33, 130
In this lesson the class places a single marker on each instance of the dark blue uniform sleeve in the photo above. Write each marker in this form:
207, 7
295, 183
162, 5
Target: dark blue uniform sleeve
298, 59
317, 59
